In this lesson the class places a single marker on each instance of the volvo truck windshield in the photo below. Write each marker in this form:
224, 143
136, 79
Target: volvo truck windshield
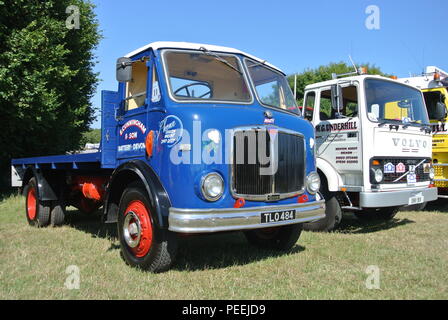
393, 102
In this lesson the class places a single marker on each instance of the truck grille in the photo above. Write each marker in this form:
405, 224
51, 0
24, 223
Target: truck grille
398, 176
252, 150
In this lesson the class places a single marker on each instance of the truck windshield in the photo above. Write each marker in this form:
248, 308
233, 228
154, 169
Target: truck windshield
388, 101
205, 77
272, 88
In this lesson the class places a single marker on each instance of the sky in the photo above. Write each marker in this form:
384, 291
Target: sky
399, 36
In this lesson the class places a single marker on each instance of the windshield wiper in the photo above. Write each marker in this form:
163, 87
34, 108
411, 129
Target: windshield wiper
427, 128
217, 57
412, 123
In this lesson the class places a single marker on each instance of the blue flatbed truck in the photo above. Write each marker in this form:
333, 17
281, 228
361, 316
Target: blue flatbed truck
196, 139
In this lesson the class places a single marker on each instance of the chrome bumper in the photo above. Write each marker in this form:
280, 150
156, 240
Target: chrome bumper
229, 219
394, 198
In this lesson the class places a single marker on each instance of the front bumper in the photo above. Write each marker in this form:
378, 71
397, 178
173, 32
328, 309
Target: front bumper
394, 198
231, 219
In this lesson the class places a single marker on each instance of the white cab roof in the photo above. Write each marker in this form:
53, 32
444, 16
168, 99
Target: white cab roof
426, 81
196, 46
344, 79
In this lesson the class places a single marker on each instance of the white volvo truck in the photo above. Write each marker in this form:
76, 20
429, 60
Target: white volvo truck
373, 146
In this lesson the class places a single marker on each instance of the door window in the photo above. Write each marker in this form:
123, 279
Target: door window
308, 105
350, 104
136, 88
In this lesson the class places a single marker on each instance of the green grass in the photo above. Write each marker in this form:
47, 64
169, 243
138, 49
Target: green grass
410, 251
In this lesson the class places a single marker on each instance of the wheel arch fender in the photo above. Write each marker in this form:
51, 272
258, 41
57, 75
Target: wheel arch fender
334, 179
128, 172
45, 187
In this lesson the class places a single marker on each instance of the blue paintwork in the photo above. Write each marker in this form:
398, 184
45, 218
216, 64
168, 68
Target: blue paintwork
180, 181
110, 101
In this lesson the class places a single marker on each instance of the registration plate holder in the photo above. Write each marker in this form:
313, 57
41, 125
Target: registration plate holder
278, 216
416, 199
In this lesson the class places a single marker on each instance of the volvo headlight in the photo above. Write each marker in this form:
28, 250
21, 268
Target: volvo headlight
212, 186
378, 175
431, 173
313, 182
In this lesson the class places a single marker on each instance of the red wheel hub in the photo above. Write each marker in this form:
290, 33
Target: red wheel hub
137, 228
31, 203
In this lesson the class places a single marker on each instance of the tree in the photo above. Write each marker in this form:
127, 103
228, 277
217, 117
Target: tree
91, 136
46, 77
323, 73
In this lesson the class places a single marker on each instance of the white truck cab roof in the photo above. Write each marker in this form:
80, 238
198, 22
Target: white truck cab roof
426, 81
344, 79
196, 46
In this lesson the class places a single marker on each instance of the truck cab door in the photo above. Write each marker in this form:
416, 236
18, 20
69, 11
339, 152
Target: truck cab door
338, 135
132, 121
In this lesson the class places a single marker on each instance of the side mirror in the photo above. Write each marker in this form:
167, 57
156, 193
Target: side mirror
337, 101
124, 69
440, 112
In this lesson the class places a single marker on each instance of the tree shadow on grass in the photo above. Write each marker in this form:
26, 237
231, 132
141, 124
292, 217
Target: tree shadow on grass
352, 225
195, 252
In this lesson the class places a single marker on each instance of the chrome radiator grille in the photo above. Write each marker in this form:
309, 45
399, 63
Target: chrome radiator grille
260, 173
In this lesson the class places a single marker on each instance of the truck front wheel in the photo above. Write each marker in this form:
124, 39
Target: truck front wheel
143, 244
277, 238
333, 215
37, 211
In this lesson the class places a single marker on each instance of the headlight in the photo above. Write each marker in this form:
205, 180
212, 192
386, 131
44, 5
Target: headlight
313, 182
431, 173
212, 186
378, 175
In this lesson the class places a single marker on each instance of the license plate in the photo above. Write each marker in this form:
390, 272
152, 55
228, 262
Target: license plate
268, 217
416, 200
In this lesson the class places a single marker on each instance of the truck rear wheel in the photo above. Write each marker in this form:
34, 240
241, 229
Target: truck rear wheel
277, 238
37, 211
143, 244
333, 215
57, 215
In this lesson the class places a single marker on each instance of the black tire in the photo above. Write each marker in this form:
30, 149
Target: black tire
57, 216
276, 238
333, 215
162, 248
37, 211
